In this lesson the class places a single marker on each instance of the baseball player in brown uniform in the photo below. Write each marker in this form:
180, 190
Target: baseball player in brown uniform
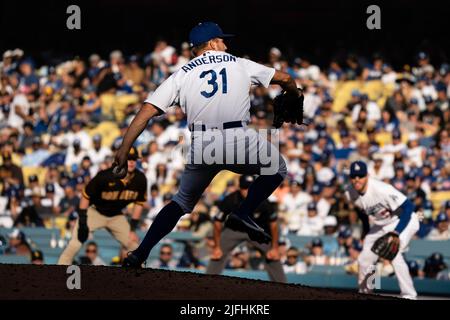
101, 205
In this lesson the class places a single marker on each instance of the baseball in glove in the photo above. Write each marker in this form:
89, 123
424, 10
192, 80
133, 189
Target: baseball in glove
387, 246
288, 107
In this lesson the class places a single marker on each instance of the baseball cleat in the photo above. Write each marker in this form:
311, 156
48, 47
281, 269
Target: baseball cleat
132, 261
255, 232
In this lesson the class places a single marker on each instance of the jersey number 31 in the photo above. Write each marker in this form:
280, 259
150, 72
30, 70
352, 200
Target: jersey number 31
213, 82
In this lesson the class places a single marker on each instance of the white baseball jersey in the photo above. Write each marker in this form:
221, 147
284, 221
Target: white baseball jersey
212, 88
379, 201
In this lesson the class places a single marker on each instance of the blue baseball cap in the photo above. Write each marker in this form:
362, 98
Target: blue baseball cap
316, 242
441, 217
428, 99
428, 205
245, 181
411, 176
206, 31
358, 169
316, 189
344, 133
345, 233
356, 245
312, 206
396, 134
422, 55
412, 265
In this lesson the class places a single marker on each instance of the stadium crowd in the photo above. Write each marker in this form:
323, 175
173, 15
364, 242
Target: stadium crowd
60, 124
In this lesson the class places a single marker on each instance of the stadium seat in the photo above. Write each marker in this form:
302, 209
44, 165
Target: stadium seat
34, 233
424, 248
102, 234
327, 269
374, 89
40, 172
438, 198
14, 259
342, 96
51, 260
40, 232
108, 130
302, 241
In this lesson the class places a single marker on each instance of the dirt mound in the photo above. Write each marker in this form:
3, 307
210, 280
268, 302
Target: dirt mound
49, 282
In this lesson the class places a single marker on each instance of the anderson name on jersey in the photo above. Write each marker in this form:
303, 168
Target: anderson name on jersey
212, 88
380, 201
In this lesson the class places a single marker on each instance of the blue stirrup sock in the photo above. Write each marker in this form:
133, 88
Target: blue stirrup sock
163, 224
259, 191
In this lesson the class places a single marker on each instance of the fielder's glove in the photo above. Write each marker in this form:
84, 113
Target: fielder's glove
83, 230
288, 107
387, 246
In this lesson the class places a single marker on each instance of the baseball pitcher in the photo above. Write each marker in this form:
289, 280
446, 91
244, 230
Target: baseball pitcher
213, 90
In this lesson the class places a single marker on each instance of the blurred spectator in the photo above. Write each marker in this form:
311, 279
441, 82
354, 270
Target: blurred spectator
166, 259
330, 225
69, 203
37, 257
75, 155
434, 264
427, 224
48, 201
378, 169
312, 224
361, 153
18, 244
33, 212
295, 205
344, 242
190, 258
351, 265
391, 150
33, 186
38, 154
317, 255
388, 121
442, 228
414, 269
292, 263
369, 108
10, 174
238, 261
26, 140
70, 224
373, 71
432, 118
133, 72
323, 206
91, 255
98, 153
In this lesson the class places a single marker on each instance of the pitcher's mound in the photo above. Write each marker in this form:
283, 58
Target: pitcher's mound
112, 283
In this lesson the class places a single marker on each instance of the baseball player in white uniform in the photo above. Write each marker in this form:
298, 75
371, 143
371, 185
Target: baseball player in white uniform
213, 91
383, 210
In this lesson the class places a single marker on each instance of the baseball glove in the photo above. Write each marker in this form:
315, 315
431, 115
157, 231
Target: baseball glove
288, 107
387, 246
